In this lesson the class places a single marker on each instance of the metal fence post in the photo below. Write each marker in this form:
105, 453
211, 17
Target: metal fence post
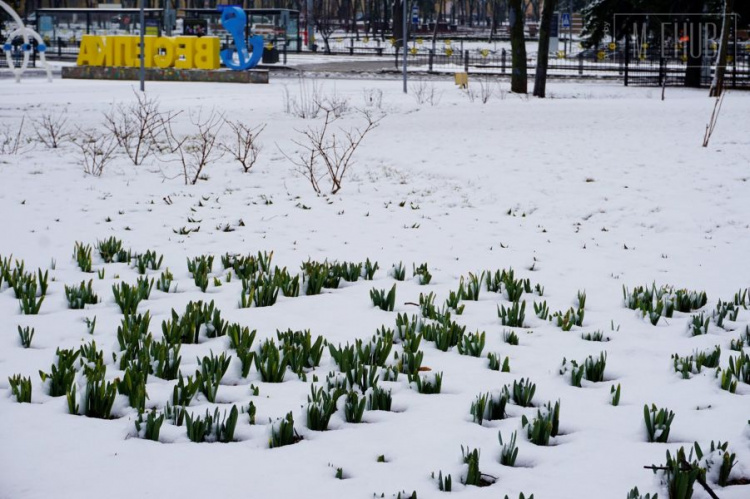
627, 59
662, 71
351, 46
59, 47
466, 61
580, 64
502, 61
430, 56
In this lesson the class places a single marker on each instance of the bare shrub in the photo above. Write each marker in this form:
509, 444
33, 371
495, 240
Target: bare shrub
306, 104
714, 118
97, 149
11, 139
52, 129
136, 126
243, 146
486, 89
335, 103
373, 97
425, 93
199, 149
326, 153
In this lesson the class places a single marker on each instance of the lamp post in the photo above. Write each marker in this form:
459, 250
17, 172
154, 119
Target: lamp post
404, 43
142, 55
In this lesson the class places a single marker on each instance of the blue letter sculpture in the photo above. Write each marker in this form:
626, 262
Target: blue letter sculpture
234, 21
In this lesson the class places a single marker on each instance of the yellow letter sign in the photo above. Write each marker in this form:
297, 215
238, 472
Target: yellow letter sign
182, 52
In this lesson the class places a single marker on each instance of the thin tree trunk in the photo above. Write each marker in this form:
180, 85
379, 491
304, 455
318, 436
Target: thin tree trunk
694, 69
540, 77
385, 19
717, 85
398, 21
435, 28
518, 81
493, 26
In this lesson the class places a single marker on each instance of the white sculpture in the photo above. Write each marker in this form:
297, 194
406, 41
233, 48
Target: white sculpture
24, 32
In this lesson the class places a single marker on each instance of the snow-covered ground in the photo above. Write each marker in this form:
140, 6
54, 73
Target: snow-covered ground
594, 188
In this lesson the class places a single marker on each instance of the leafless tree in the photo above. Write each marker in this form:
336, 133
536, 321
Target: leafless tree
199, 149
244, 146
52, 129
97, 149
717, 84
329, 154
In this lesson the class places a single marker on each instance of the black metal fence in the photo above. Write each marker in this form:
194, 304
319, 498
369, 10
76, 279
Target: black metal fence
660, 69
653, 69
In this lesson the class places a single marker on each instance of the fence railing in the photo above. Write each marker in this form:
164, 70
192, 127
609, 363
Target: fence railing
642, 68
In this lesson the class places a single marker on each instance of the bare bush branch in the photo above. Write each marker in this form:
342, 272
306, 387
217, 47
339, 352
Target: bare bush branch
11, 140
425, 93
306, 104
244, 147
327, 153
485, 91
52, 129
197, 150
337, 104
97, 148
373, 97
714, 118
137, 126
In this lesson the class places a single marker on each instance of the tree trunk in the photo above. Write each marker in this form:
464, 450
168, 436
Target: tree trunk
385, 20
518, 83
398, 22
717, 85
437, 21
540, 78
694, 70
493, 26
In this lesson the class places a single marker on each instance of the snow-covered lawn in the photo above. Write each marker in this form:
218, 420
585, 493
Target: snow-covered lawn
595, 188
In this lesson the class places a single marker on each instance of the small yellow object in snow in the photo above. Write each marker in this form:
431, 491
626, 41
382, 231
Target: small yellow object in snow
413, 51
601, 55
447, 42
462, 80
448, 51
612, 46
561, 54
420, 41
366, 40
484, 52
